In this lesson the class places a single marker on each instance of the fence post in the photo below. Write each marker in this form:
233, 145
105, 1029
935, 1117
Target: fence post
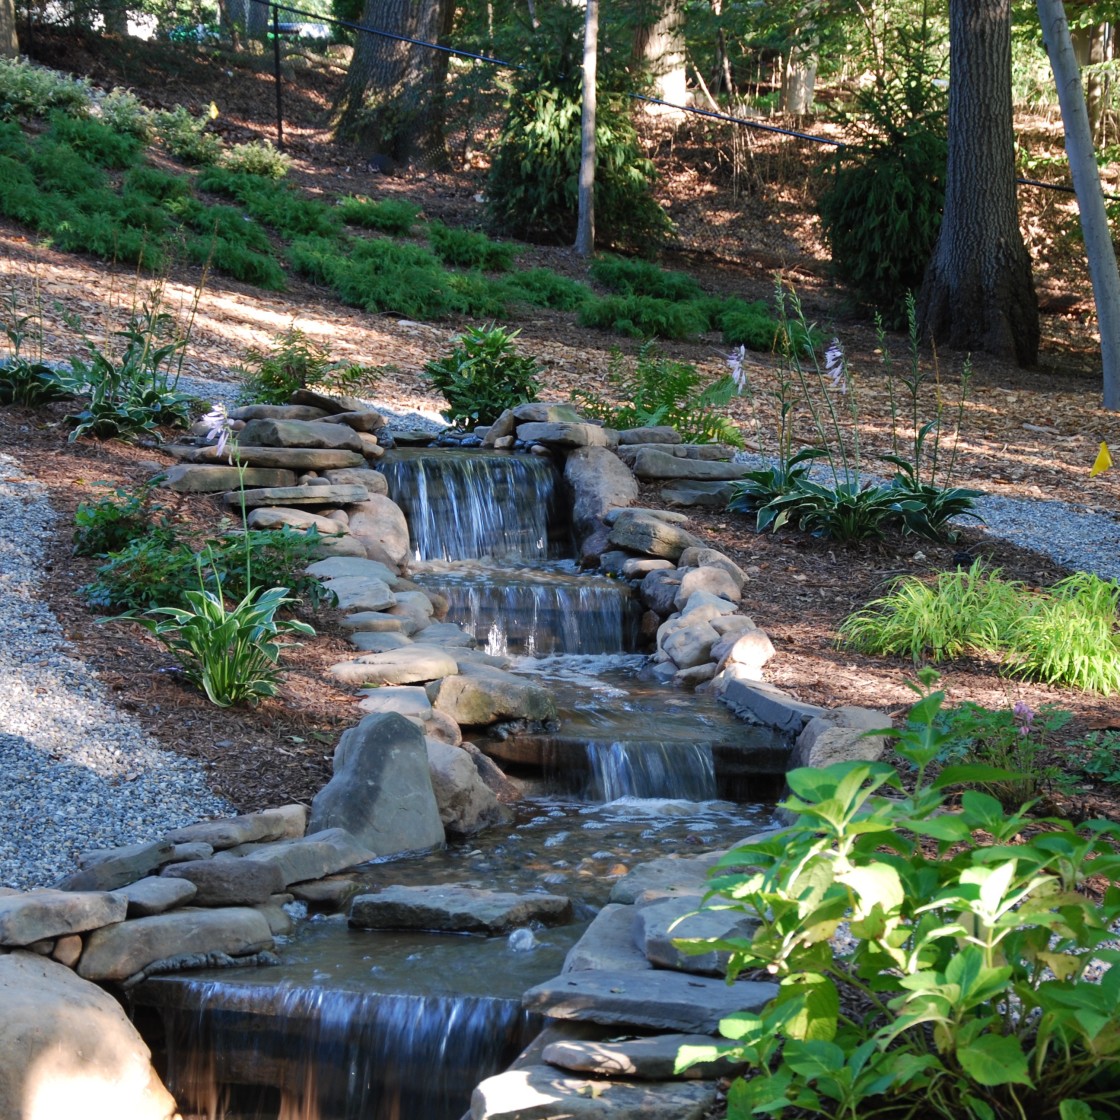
276, 72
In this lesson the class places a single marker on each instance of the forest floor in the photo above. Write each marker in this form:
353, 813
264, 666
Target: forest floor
1027, 433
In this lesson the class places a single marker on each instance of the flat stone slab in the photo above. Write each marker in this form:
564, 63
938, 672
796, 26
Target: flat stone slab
561, 433
361, 593
645, 1059
286, 822
456, 909
407, 700
199, 478
229, 882
276, 517
120, 951
696, 494
109, 868
155, 895
483, 694
298, 496
658, 925
36, 915
313, 434
412, 664
282, 458
651, 463
277, 412
654, 434
379, 641
314, 856
333, 404
638, 531
654, 1000
542, 1093
607, 945
375, 622
684, 876
373, 481
762, 703
336, 567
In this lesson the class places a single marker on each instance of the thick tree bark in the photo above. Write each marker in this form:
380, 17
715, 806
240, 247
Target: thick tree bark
393, 102
585, 221
659, 47
9, 42
799, 82
1092, 46
978, 293
1087, 184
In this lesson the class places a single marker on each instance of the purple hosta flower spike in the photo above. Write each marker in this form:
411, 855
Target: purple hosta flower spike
1024, 716
735, 362
834, 365
220, 426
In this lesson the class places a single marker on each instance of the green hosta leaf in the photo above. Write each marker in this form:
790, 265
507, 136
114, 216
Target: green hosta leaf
995, 1060
1074, 1110
973, 773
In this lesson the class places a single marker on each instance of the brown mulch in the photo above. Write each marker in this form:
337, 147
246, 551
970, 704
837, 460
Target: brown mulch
1024, 433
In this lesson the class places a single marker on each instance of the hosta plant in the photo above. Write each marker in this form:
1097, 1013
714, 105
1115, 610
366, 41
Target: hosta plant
232, 654
965, 985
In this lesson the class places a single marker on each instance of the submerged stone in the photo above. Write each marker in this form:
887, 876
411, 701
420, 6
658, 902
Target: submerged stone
456, 909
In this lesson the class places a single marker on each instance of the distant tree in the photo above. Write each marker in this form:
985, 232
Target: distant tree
978, 293
392, 103
659, 47
9, 41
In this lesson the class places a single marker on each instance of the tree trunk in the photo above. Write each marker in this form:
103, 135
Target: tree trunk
659, 47
9, 41
392, 104
799, 82
1087, 184
978, 293
585, 221
1092, 46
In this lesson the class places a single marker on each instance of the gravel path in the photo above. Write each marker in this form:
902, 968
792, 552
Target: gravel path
78, 774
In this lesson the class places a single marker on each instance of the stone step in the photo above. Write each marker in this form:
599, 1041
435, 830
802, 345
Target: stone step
289, 458
299, 433
298, 496
452, 908
200, 478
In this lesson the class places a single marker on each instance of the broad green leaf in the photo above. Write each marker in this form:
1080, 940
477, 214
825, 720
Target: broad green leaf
995, 1060
817, 1002
973, 773
875, 885
1075, 1110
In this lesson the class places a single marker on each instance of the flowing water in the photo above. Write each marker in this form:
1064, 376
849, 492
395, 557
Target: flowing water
359, 1025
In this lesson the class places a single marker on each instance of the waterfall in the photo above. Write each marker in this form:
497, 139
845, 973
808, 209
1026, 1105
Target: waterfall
684, 771
463, 505
326, 1054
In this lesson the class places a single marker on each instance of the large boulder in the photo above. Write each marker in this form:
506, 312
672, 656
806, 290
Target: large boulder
598, 481
299, 433
481, 695
381, 791
466, 804
455, 908
641, 532
845, 734
67, 1049
37, 915
380, 525
408, 665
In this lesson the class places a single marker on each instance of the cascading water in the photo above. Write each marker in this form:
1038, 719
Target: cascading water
463, 505
648, 769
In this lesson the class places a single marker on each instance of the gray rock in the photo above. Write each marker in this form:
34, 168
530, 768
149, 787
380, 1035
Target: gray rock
228, 882
276, 458
714, 580
636, 568
333, 404
598, 480
658, 591
366, 420
298, 496
466, 804
414, 608
276, 412
339, 566
653, 434
711, 557
327, 894
155, 895
311, 434
642, 1059
411, 664
563, 434
200, 478
762, 703
405, 700
641, 532
453, 908
841, 735
67, 1049
654, 1000
607, 945
538, 412
361, 593
181, 853
502, 428
539, 1092
659, 925
481, 695
373, 481
286, 822
749, 649
667, 515
377, 622
36, 915
276, 517
698, 495
313, 856
447, 634
110, 868
377, 521
120, 951
381, 792
688, 643
378, 641
670, 875
653, 464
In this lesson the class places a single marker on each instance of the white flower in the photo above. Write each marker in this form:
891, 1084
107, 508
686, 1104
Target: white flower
221, 427
834, 365
735, 362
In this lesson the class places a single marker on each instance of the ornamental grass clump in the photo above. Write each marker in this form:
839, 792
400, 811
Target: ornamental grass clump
977, 978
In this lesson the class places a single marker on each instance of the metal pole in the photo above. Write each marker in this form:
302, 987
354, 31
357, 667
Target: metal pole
276, 72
